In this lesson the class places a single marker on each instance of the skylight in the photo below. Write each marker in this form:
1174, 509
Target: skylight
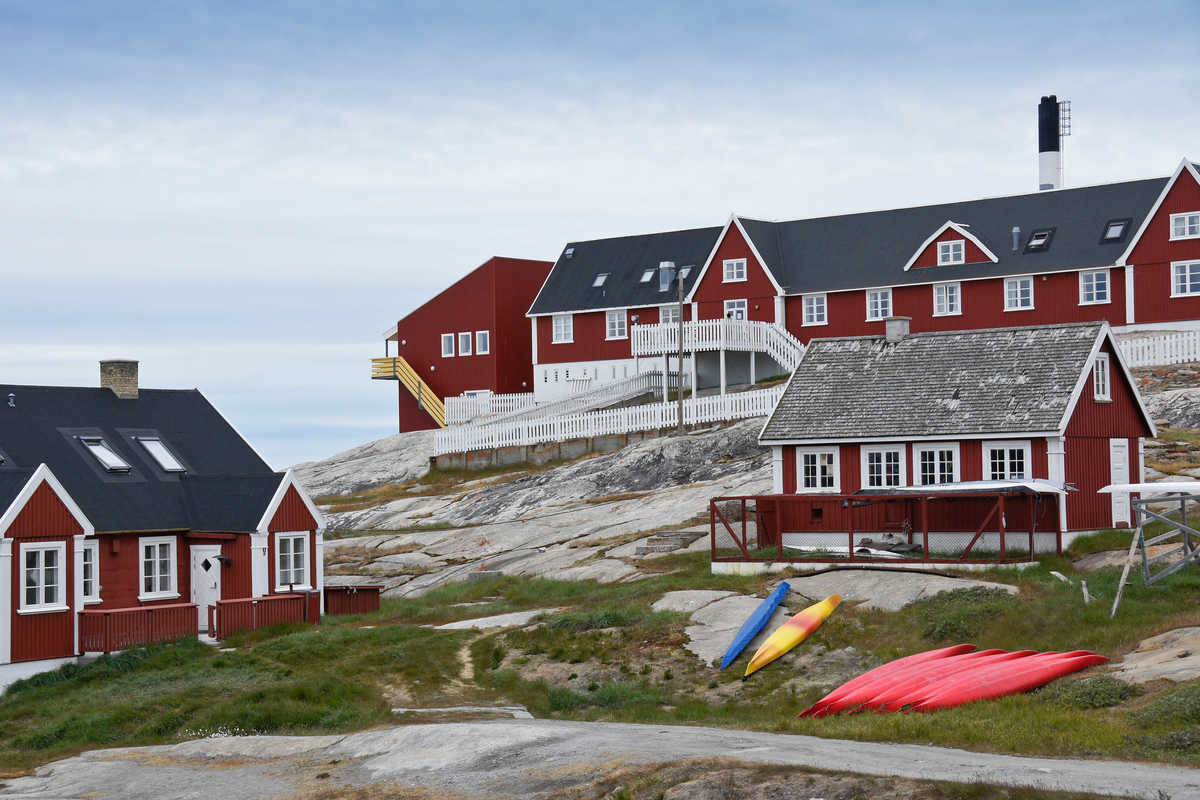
165, 458
104, 454
1114, 230
600, 279
1039, 240
648, 275
683, 273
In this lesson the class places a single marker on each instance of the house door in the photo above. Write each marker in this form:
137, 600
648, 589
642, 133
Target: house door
206, 579
1118, 461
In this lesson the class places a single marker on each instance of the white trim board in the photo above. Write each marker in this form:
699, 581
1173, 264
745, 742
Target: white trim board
40, 475
1184, 165
733, 220
959, 228
289, 480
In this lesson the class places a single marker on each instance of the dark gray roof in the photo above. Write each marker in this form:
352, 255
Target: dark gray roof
962, 383
226, 487
568, 287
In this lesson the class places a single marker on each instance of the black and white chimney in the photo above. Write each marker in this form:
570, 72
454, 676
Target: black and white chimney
1050, 169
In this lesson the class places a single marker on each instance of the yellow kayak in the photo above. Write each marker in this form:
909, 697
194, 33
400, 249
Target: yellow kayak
792, 633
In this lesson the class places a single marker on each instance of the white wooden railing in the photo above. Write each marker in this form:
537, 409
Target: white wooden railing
719, 334
465, 408
606, 394
1161, 349
652, 416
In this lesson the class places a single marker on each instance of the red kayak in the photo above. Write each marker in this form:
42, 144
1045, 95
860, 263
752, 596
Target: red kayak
867, 691
919, 687
992, 671
884, 670
1022, 678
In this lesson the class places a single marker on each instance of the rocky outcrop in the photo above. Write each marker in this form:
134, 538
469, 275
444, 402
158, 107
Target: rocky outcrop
1179, 407
392, 460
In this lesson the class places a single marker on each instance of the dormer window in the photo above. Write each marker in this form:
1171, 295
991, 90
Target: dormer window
104, 454
1039, 240
600, 279
1115, 230
648, 275
952, 252
159, 452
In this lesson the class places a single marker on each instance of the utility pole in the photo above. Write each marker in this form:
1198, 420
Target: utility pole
679, 398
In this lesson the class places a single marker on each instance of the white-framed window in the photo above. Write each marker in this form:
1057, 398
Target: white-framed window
564, 329
952, 252
616, 325
668, 315
1185, 278
735, 309
1115, 229
291, 561
647, 275
815, 309
43, 577
879, 304
447, 345
161, 453
735, 270
1018, 293
947, 299
1185, 225
935, 462
599, 280
156, 568
103, 453
464, 343
91, 571
882, 466
483, 343
1007, 460
1093, 287
817, 469
1039, 240
1101, 378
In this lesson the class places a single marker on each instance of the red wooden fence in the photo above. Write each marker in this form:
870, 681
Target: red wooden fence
109, 630
352, 599
252, 613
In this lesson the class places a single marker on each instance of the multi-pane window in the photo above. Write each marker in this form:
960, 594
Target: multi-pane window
882, 467
564, 328
157, 567
447, 345
1185, 226
936, 463
735, 309
1018, 293
814, 310
952, 252
817, 469
1101, 383
91, 572
464, 343
735, 269
616, 325
292, 565
1006, 460
668, 315
1185, 278
1093, 286
879, 304
42, 576
947, 299
483, 343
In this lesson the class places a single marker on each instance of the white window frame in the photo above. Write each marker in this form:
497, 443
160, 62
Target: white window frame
733, 270
811, 303
951, 309
600, 279
464, 337
1192, 286
1120, 225
162, 454
1007, 294
864, 457
936, 447
108, 458
616, 325
879, 294
41, 606
732, 306
836, 468
1008, 445
172, 591
1189, 220
946, 254
91, 548
447, 345
562, 329
292, 536
1083, 288
668, 314
647, 275
483, 343
1102, 379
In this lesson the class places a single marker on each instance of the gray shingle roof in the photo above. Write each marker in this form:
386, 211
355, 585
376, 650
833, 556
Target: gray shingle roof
952, 384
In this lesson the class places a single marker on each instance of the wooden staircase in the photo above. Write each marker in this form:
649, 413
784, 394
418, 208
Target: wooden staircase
396, 368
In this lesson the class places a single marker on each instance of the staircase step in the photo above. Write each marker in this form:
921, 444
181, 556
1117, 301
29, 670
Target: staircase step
667, 542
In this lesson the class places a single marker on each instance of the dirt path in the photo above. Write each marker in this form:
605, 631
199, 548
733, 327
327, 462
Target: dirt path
524, 758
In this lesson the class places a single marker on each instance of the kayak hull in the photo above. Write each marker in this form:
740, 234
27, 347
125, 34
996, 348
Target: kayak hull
754, 623
792, 633
891, 668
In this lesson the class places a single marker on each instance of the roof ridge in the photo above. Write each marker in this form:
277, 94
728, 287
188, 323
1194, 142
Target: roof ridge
717, 228
967, 331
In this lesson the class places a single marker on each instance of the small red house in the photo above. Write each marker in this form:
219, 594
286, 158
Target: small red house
1047, 403
116, 500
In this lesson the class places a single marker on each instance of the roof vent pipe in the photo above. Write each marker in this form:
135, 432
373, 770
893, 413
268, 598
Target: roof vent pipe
1016, 238
895, 329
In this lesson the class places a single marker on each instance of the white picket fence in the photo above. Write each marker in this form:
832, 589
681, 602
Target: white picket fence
465, 408
632, 419
719, 334
1162, 349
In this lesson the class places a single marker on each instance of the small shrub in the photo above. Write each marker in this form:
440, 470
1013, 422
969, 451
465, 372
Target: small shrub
1184, 741
1178, 707
960, 615
561, 699
1101, 691
578, 621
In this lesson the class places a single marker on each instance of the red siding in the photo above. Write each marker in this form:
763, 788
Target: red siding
1088, 470
1119, 418
120, 570
757, 290
789, 469
292, 514
971, 251
1154, 253
516, 282
590, 329
44, 514
37, 636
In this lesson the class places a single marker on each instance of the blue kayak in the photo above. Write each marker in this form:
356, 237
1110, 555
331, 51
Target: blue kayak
754, 623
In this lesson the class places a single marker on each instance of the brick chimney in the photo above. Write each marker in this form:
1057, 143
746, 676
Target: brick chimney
121, 376
895, 328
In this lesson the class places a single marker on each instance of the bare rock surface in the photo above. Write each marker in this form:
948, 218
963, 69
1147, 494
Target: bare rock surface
1179, 407
1174, 655
497, 621
688, 600
1116, 558
714, 626
397, 458
882, 589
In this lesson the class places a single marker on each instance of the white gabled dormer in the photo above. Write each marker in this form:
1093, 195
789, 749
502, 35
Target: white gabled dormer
948, 246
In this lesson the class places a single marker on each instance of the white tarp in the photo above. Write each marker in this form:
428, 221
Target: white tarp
1154, 489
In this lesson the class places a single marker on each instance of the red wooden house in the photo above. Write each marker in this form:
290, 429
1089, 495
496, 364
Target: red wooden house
136, 510
472, 337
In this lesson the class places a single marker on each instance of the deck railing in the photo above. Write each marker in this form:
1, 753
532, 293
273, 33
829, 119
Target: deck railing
113, 629
352, 599
1162, 349
465, 408
228, 617
719, 334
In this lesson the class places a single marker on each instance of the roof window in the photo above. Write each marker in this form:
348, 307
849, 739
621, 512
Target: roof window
1039, 240
684, 272
601, 277
570, 251
648, 275
1115, 230
159, 452
104, 454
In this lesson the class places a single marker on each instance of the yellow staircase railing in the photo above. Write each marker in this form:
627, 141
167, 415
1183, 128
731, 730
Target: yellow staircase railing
398, 369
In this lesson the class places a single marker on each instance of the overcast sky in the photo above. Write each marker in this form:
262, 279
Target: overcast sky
244, 195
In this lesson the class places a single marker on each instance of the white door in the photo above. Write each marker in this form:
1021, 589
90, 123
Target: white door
1118, 461
206, 579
